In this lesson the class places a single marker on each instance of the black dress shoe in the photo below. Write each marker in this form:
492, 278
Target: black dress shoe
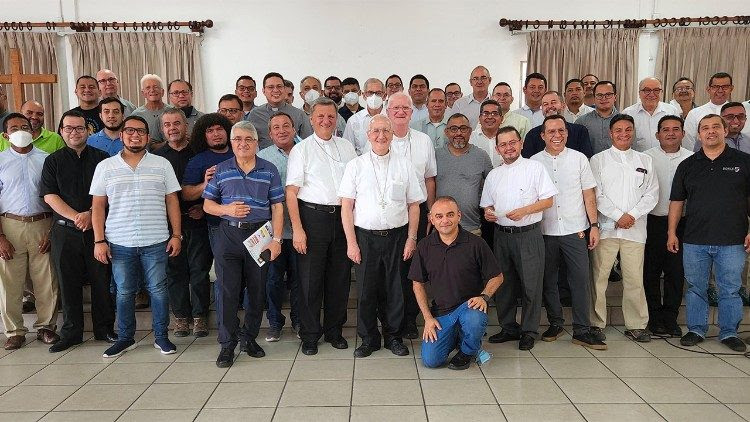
735, 344
225, 359
690, 339
254, 350
309, 348
658, 328
589, 340
410, 330
110, 337
397, 348
503, 336
364, 351
460, 361
675, 330
62, 345
526, 343
553, 333
28, 307
339, 343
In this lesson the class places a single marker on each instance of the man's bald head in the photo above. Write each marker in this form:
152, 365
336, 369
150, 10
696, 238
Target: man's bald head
35, 113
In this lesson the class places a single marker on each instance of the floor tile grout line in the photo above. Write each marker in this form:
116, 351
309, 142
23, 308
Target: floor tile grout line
484, 376
212, 392
286, 381
558, 385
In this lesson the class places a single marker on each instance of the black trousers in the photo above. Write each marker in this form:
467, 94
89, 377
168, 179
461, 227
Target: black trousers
187, 275
72, 255
324, 275
658, 259
237, 266
379, 275
574, 251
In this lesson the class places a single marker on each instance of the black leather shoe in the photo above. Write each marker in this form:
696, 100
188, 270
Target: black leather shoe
503, 336
62, 345
110, 337
339, 343
397, 348
526, 343
309, 348
364, 351
690, 339
254, 350
588, 340
674, 330
735, 344
553, 333
658, 328
460, 361
225, 359
410, 330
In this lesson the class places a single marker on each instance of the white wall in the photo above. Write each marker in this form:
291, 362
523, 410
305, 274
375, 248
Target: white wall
442, 39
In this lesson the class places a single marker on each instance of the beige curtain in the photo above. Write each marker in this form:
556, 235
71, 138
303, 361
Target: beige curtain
37, 56
131, 55
610, 54
698, 53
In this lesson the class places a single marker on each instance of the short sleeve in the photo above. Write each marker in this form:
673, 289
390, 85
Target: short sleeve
98, 184
488, 199
431, 167
417, 271
170, 179
295, 169
414, 191
545, 187
49, 184
488, 263
211, 191
587, 176
348, 185
276, 190
678, 192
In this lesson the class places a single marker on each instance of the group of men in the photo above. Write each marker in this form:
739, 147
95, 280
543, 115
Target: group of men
441, 201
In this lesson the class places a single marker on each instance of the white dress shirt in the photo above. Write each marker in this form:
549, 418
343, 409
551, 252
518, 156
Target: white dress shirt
316, 167
516, 185
469, 107
536, 117
692, 119
419, 113
571, 173
665, 164
486, 144
20, 181
571, 117
382, 188
625, 183
646, 125
417, 147
356, 130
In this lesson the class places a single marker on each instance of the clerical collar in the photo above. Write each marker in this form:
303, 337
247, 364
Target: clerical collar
383, 157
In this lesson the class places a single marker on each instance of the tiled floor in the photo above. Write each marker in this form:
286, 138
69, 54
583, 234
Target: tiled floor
555, 381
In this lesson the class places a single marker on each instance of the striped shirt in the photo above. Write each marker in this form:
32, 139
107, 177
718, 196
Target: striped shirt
260, 188
137, 206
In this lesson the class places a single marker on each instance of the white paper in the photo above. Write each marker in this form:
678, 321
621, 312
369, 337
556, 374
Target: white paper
259, 241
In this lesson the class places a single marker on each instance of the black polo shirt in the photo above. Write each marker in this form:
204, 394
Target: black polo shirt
715, 194
346, 113
179, 160
69, 176
456, 272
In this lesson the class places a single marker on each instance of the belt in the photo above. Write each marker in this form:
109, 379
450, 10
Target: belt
65, 223
383, 233
27, 218
244, 225
514, 229
318, 207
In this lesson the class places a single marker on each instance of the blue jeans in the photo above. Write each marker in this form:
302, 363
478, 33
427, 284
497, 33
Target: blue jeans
728, 262
127, 266
463, 323
285, 263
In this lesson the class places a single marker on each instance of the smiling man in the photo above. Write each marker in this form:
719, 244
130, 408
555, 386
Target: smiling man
273, 89
108, 139
181, 96
648, 112
577, 135
152, 89
44, 139
109, 86
469, 104
87, 92
534, 88
434, 124
597, 121
719, 91
574, 106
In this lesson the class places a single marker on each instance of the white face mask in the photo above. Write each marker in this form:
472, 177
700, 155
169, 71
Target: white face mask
20, 139
311, 96
351, 98
374, 101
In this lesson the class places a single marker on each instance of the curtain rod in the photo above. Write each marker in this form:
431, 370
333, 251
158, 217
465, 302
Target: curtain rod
194, 26
518, 25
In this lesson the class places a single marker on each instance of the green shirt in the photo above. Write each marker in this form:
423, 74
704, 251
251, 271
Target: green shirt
47, 141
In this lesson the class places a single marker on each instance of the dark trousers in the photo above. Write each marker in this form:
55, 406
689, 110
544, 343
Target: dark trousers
379, 275
574, 251
657, 260
237, 266
284, 264
73, 258
521, 259
324, 275
187, 275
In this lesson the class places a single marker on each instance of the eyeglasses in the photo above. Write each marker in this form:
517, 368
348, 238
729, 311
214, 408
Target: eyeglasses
400, 108
395, 85
246, 140
229, 110
379, 131
649, 91
274, 87
369, 93
606, 95
332, 88
721, 87
107, 81
509, 144
456, 129
245, 88
453, 94
490, 113
730, 117
683, 89
133, 130
479, 78
179, 93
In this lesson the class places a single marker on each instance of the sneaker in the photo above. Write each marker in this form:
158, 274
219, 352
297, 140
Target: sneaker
713, 296
589, 340
181, 327
735, 344
641, 336
691, 339
274, 334
460, 361
598, 333
120, 347
165, 346
200, 327
553, 333
254, 350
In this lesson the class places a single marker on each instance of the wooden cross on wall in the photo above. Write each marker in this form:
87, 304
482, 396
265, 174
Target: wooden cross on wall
18, 79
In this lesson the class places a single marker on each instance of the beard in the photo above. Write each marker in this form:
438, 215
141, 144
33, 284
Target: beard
135, 150
459, 144
113, 128
217, 147
336, 97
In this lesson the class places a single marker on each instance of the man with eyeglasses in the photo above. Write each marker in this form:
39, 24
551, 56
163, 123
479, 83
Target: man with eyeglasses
350, 93
597, 121
627, 189
683, 96
589, 82
491, 119
534, 87
246, 193
735, 116
380, 195
87, 92
24, 236
136, 236
356, 127
434, 124
419, 87
577, 135
647, 113
574, 106
719, 91
66, 179
310, 91
230, 106
513, 197
44, 139
181, 96
111, 111
109, 86
452, 93
469, 104
245, 89
393, 84
152, 89
273, 89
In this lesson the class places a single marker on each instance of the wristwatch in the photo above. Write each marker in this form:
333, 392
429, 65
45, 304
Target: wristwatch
278, 240
597, 225
485, 297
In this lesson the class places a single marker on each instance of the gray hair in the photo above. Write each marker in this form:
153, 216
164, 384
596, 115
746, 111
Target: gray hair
380, 118
401, 94
244, 125
322, 101
152, 77
302, 82
649, 78
374, 80
173, 110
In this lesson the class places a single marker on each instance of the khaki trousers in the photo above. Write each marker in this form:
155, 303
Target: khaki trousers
25, 238
634, 307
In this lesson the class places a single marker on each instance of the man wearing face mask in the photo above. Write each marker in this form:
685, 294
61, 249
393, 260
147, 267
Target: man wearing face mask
356, 127
24, 236
44, 139
273, 89
578, 135
350, 89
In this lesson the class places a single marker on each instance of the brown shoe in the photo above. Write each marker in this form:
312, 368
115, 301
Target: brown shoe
181, 327
141, 300
14, 342
200, 327
47, 336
